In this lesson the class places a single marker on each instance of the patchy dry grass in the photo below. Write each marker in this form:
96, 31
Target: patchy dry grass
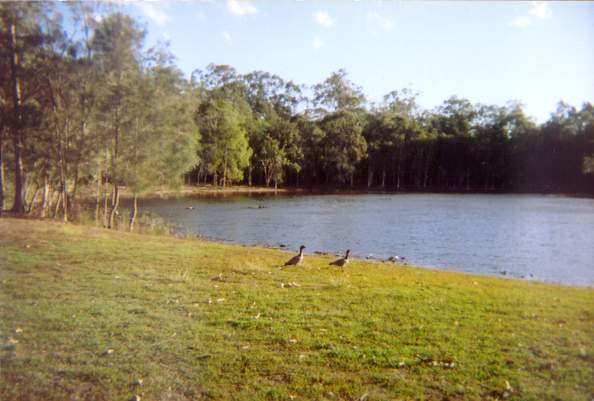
203, 320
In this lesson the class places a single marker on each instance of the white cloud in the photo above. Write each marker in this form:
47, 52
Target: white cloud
227, 38
317, 43
241, 7
540, 10
383, 23
201, 16
166, 35
323, 18
154, 13
521, 22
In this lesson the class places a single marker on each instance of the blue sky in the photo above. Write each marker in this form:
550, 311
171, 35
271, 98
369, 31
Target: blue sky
489, 52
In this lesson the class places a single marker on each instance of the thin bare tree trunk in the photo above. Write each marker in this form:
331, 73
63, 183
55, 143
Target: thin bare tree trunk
134, 212
33, 199
45, 197
72, 202
1, 170
114, 206
17, 133
225, 169
105, 205
369, 176
64, 192
58, 203
98, 195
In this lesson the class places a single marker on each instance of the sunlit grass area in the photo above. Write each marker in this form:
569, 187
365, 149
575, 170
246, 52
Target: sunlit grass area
90, 314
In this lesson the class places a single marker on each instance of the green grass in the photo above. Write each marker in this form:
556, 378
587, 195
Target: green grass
68, 293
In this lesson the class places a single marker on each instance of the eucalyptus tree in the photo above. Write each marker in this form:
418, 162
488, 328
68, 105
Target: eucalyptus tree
226, 120
68, 99
20, 49
281, 150
491, 147
225, 148
337, 92
163, 140
343, 145
117, 43
312, 137
274, 138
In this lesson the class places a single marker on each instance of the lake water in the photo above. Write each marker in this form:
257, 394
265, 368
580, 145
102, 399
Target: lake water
548, 238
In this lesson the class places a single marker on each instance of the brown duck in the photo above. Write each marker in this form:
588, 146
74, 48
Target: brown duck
342, 262
297, 259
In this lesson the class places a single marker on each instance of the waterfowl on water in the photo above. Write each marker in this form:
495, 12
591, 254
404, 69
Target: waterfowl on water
295, 260
342, 262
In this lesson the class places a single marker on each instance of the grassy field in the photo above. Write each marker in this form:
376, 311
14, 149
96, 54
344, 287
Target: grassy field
85, 313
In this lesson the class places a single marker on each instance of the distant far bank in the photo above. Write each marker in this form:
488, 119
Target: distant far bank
230, 190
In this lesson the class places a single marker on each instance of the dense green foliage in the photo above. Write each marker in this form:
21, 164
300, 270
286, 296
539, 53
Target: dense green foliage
91, 106
199, 320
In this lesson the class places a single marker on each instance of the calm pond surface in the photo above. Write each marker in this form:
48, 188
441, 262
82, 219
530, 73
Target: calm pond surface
548, 238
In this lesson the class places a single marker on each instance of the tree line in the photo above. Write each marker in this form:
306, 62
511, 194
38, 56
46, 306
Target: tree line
91, 109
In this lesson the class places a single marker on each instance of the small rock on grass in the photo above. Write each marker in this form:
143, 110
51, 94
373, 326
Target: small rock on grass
289, 285
9, 347
137, 382
135, 397
10, 344
108, 351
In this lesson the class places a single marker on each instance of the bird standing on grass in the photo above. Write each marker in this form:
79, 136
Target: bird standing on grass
342, 262
295, 260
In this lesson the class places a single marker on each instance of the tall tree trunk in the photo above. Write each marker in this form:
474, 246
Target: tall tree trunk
398, 168
426, 175
17, 126
369, 176
45, 198
98, 195
64, 202
105, 204
133, 212
114, 206
467, 180
398, 176
33, 199
352, 180
72, 201
250, 168
225, 169
58, 203
1, 170
383, 177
